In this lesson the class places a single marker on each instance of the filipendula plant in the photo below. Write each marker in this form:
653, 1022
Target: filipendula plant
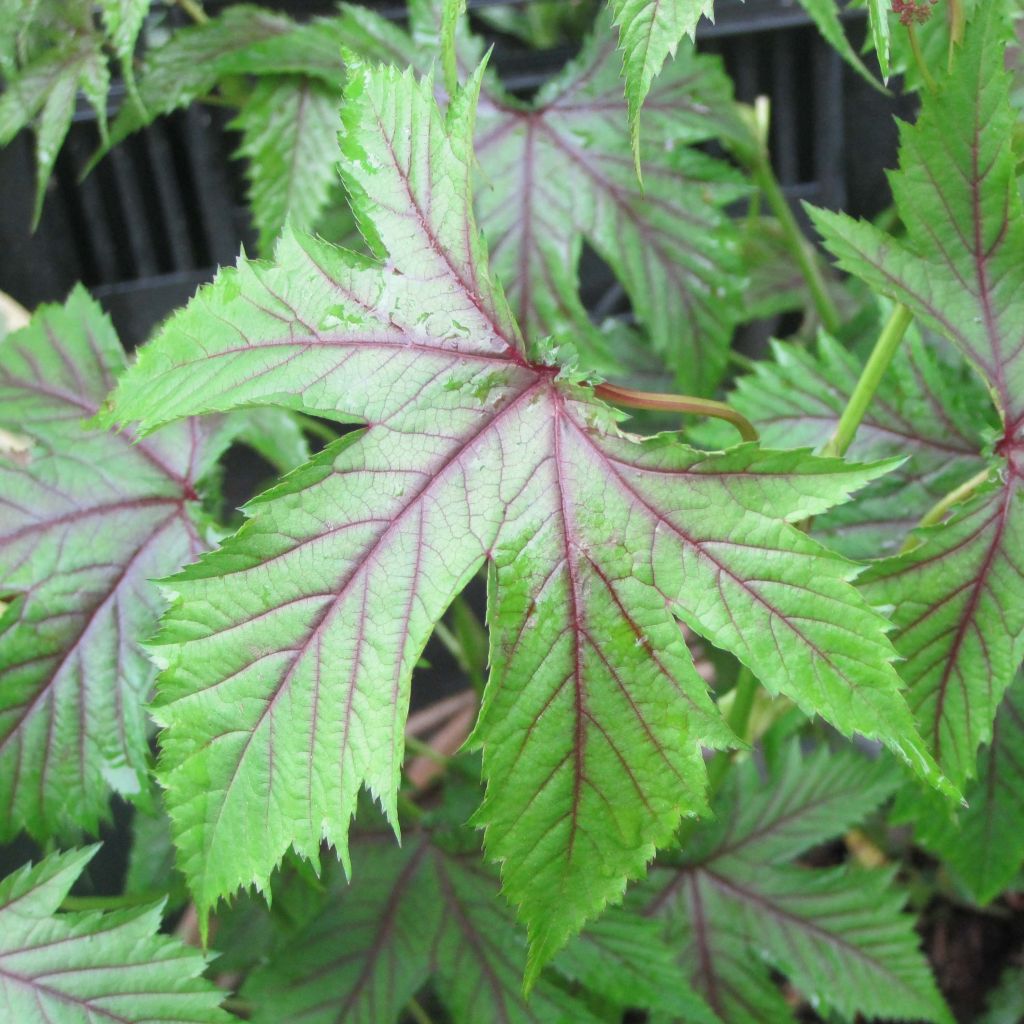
711, 657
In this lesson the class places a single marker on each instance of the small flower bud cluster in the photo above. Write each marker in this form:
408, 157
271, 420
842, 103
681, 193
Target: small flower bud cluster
910, 11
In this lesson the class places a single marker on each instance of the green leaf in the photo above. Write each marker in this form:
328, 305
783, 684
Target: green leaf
243, 40
958, 604
736, 908
956, 193
122, 20
561, 174
1006, 1003
958, 599
87, 518
649, 33
288, 653
91, 966
825, 14
43, 94
926, 410
289, 129
881, 32
982, 843
623, 958
414, 914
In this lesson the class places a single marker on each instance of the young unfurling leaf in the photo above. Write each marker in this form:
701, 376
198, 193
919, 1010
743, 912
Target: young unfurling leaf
288, 652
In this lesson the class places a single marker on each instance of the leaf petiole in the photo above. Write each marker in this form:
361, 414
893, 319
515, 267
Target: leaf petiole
760, 167
871, 376
915, 48
938, 511
677, 403
194, 10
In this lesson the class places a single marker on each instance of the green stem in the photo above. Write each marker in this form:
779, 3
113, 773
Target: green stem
805, 256
677, 403
915, 48
871, 376
738, 719
410, 809
417, 746
416, 1011
957, 25
194, 11
938, 511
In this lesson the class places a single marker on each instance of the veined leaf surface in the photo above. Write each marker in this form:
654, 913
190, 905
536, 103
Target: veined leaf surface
649, 33
982, 843
925, 410
289, 652
91, 966
567, 165
736, 906
958, 598
87, 519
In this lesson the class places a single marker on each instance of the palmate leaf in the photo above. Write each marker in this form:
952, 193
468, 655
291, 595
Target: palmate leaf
560, 173
288, 653
93, 967
983, 844
87, 518
623, 958
929, 409
736, 907
958, 598
415, 915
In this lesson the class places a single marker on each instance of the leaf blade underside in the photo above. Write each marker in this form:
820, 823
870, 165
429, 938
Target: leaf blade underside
289, 651
925, 410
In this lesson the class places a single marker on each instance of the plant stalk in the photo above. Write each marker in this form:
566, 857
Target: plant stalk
738, 720
193, 9
915, 48
871, 376
797, 244
677, 403
957, 25
416, 1011
938, 511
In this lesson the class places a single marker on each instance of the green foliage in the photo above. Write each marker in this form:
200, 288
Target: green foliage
982, 843
288, 131
928, 411
86, 520
957, 599
736, 906
90, 966
42, 87
504, 460
560, 174
696, 664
